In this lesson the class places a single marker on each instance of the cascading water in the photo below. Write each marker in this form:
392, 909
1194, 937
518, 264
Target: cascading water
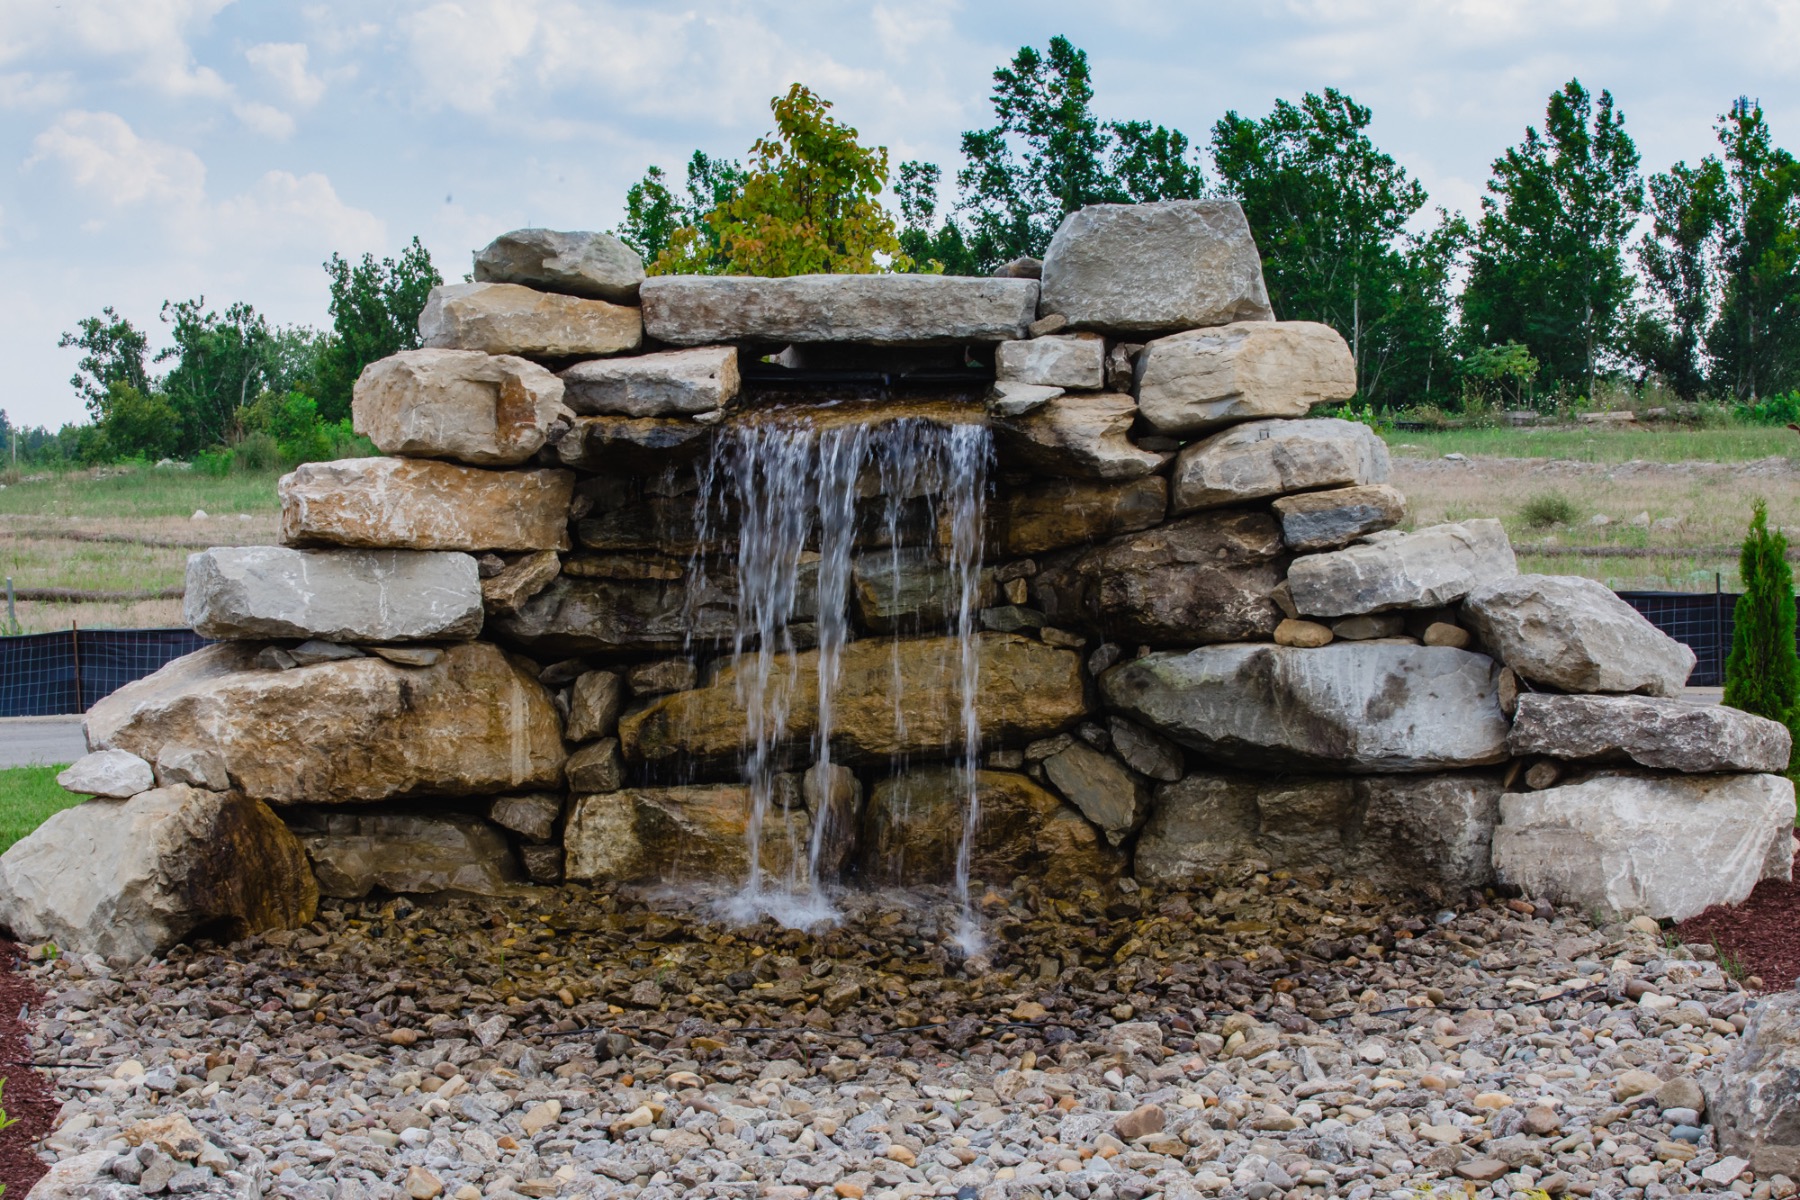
792, 486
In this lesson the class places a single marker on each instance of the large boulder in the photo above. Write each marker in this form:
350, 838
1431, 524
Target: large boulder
1204, 578
474, 723
492, 410
904, 310
1664, 846
333, 595
504, 318
1199, 380
1429, 568
1668, 735
1026, 690
1076, 360
421, 504
1329, 519
1358, 707
1406, 830
584, 615
596, 265
1259, 459
1576, 635
1059, 513
1080, 436
354, 853
913, 827
672, 383
132, 877
1753, 1098
1155, 268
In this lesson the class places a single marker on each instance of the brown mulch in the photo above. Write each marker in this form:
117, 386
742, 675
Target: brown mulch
1762, 934
27, 1096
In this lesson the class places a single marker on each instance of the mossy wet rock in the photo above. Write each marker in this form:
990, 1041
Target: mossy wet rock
363, 729
1428, 568
1204, 578
1196, 381
1576, 635
1260, 459
913, 824
902, 310
355, 853
672, 834
596, 265
580, 615
632, 445
489, 410
1357, 707
1027, 690
910, 589
1059, 513
127, 878
504, 318
1078, 436
420, 504
1669, 735
333, 595
1101, 786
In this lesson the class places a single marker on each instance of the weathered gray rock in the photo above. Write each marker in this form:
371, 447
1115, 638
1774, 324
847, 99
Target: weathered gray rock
355, 853
1665, 846
1199, 380
672, 383
1155, 268
1429, 568
519, 581
633, 445
1576, 635
905, 310
1434, 830
1074, 360
1668, 735
333, 595
1060, 513
132, 877
1103, 789
596, 265
116, 774
492, 410
1080, 436
533, 815
596, 767
419, 504
1273, 458
504, 318
1360, 707
581, 616
1013, 399
594, 704
315, 651
1145, 752
1329, 519
1205, 578
191, 765
1753, 1098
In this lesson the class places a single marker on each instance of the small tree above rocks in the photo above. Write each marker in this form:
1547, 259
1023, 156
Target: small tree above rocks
1762, 674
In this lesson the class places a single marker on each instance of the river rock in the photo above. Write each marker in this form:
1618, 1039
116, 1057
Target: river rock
1080, 436
489, 410
672, 383
1155, 268
1753, 1100
354, 853
1576, 635
633, 445
116, 774
914, 823
576, 615
1272, 458
1429, 568
1075, 360
594, 704
1205, 578
1059, 513
532, 816
421, 504
1329, 519
132, 877
902, 310
1664, 846
1196, 381
504, 318
596, 265
1027, 690
475, 723
1360, 707
1669, 735
333, 595
671, 834
1100, 786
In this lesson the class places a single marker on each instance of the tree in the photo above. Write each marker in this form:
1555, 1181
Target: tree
375, 309
221, 364
136, 423
1762, 673
113, 351
1754, 343
654, 214
1548, 268
928, 245
1678, 256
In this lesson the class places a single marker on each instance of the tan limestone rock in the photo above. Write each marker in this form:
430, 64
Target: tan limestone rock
421, 504
1196, 381
1069, 512
505, 318
485, 409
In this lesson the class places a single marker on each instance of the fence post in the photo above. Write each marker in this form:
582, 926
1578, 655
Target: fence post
12, 616
75, 653
1720, 649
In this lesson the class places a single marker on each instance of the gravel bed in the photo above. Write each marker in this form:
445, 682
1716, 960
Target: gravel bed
1272, 1036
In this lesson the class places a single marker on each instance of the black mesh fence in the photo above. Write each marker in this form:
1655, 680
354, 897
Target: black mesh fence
1699, 620
46, 674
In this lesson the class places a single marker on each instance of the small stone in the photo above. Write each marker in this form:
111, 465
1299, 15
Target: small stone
1541, 775
540, 1117
1292, 632
901, 1155
1443, 633
117, 774
1680, 1092
409, 656
1634, 1083
1541, 1121
1482, 1170
1725, 1171
422, 1184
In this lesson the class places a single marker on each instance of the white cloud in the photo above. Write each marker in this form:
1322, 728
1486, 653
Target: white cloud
298, 210
465, 50
152, 35
26, 89
265, 119
284, 64
106, 159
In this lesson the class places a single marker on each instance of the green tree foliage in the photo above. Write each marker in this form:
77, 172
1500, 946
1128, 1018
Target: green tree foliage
929, 246
1330, 213
375, 309
1678, 257
1548, 268
1762, 672
221, 364
654, 214
135, 424
1754, 343
112, 351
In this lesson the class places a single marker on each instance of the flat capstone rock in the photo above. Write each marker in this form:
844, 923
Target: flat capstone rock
596, 265
895, 310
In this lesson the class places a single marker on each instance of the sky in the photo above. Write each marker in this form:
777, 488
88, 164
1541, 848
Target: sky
156, 150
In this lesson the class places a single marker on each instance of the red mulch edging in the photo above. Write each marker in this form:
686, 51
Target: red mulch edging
27, 1096
1762, 933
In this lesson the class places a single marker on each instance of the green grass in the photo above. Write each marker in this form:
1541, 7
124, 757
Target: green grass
1740, 444
29, 797
138, 493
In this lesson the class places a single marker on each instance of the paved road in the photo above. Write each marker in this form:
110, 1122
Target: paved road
40, 741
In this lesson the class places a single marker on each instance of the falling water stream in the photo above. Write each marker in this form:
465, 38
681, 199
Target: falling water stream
790, 485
